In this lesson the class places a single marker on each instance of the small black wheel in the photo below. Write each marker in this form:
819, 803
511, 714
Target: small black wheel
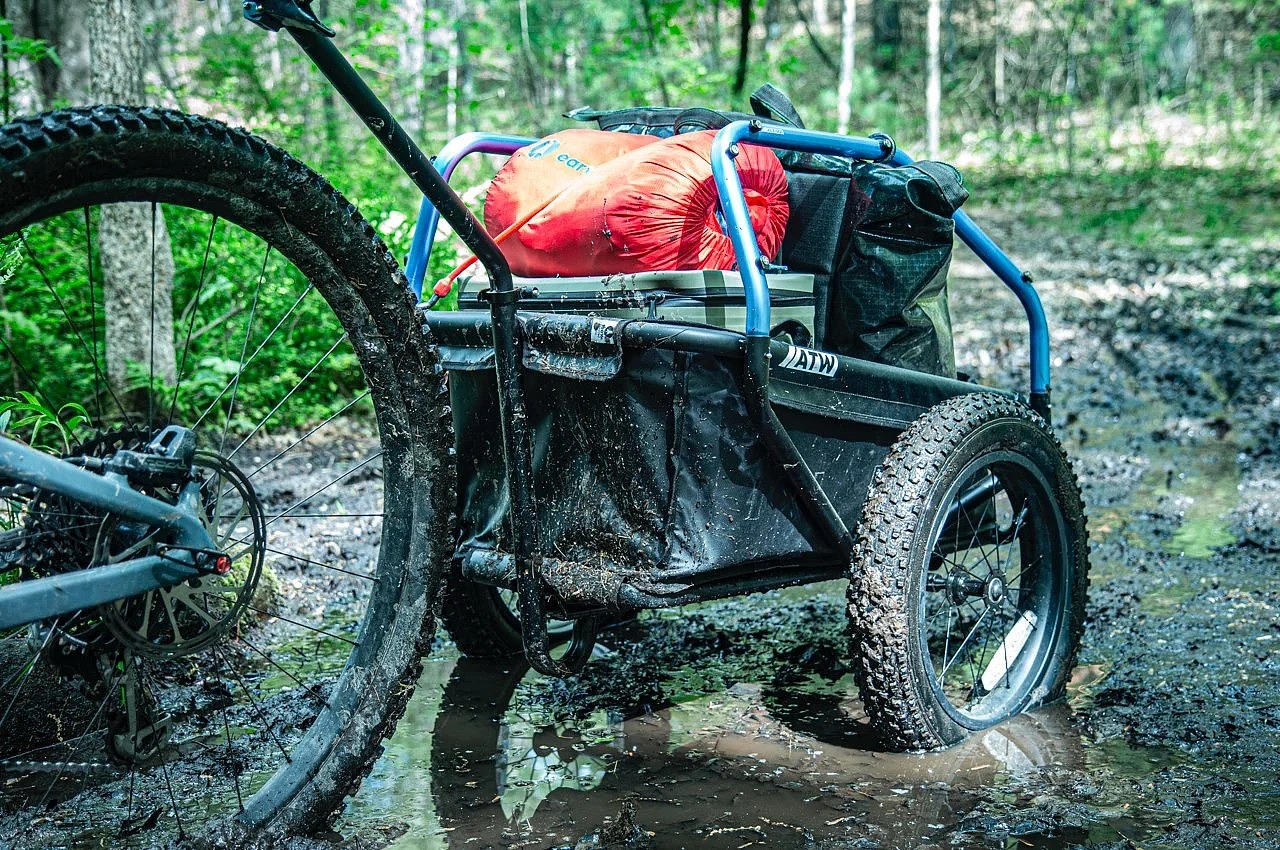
482, 620
967, 594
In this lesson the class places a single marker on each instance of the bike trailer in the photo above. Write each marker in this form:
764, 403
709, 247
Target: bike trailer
698, 296
655, 486
656, 439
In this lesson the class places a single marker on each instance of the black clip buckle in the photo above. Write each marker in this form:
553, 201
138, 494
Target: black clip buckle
274, 14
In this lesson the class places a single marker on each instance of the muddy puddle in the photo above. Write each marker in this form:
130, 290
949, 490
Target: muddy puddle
766, 753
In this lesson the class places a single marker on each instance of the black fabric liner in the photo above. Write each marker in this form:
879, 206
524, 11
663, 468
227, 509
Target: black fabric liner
655, 482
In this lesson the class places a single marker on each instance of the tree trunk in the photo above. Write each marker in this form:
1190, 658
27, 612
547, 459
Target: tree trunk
933, 86
716, 61
1178, 54
886, 33
744, 45
844, 90
6, 94
62, 25
1000, 95
413, 67
137, 263
821, 19
453, 76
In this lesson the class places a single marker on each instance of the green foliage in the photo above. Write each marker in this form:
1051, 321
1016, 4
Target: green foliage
1169, 211
19, 47
29, 419
251, 326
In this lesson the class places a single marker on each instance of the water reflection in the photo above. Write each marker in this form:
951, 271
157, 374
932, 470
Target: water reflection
754, 766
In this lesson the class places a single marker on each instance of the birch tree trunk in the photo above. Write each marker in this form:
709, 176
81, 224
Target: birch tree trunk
133, 243
933, 87
844, 90
1000, 94
821, 19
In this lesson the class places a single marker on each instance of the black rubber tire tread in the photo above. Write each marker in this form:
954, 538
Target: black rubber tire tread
65, 159
482, 625
478, 621
893, 528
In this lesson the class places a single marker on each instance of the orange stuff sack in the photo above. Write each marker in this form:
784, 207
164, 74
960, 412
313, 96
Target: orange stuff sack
617, 203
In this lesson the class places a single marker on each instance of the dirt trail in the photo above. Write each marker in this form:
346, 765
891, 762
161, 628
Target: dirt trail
736, 725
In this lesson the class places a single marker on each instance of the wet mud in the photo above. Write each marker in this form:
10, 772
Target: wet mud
736, 724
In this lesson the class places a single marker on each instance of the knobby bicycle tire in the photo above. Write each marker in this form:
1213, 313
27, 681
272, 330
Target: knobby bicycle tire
316, 667
967, 592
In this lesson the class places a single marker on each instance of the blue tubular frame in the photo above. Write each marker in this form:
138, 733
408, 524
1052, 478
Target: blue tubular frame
880, 149
45, 598
424, 231
738, 222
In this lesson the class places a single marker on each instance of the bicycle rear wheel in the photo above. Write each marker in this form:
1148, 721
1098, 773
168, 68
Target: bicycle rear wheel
289, 344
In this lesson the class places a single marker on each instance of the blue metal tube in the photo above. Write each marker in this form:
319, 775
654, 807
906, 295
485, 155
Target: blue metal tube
1020, 282
734, 205
738, 225
424, 231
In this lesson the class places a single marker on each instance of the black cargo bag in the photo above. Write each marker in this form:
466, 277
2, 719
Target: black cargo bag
877, 239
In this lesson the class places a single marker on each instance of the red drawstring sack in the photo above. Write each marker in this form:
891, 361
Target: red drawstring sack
606, 203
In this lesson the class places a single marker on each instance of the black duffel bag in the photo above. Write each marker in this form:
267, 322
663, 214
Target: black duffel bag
877, 239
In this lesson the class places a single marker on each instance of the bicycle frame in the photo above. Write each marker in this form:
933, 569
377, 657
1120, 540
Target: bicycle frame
191, 552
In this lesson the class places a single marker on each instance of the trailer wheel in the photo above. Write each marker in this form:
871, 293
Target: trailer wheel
967, 594
483, 622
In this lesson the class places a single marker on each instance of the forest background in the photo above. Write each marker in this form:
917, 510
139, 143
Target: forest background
1151, 123
1148, 101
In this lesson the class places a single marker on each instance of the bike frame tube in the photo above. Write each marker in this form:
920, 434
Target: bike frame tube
738, 225
54, 596
424, 231
41, 599
384, 127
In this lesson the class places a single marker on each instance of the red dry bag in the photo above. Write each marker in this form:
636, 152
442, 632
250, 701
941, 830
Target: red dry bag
606, 203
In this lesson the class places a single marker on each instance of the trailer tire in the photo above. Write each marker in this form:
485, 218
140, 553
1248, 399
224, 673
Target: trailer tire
967, 595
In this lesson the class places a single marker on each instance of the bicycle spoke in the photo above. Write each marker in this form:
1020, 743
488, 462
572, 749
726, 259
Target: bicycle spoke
963, 644
93, 311
264, 302
194, 311
302, 559
254, 702
307, 435
74, 327
307, 626
295, 388
151, 322
299, 503
235, 382
270, 660
93, 722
